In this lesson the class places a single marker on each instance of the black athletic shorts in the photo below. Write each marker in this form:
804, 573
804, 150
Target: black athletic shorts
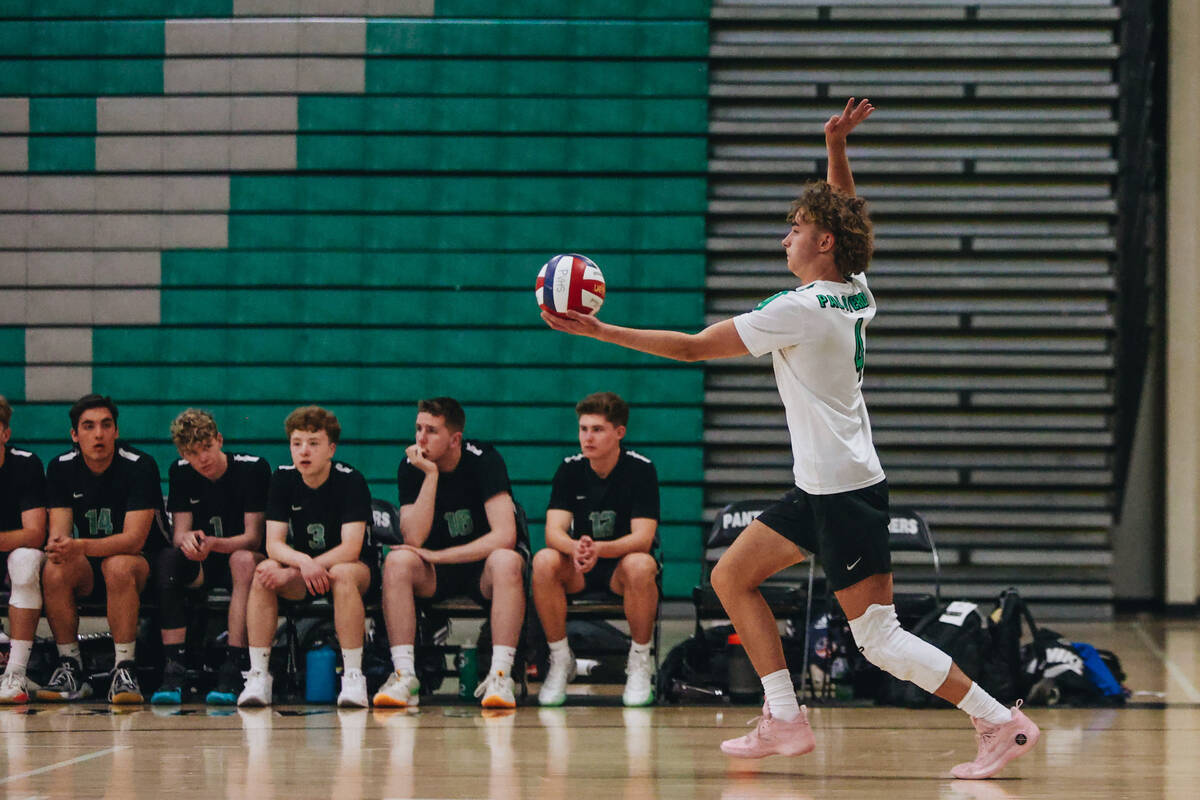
215, 566
459, 580
848, 531
599, 577
99, 593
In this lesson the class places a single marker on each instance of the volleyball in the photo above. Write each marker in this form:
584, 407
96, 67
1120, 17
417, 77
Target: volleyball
570, 282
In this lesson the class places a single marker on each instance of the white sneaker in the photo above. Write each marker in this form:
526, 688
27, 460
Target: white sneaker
12, 689
496, 691
560, 673
639, 683
354, 689
258, 689
402, 690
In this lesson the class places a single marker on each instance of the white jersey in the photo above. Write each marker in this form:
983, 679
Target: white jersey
817, 338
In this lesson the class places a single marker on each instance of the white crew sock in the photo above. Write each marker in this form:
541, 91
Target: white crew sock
502, 659
260, 658
18, 657
70, 650
124, 651
351, 659
978, 703
781, 695
560, 650
403, 659
639, 649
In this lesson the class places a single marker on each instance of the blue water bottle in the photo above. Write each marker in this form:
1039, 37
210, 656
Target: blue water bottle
320, 675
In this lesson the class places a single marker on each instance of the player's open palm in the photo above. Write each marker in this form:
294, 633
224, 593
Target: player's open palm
840, 125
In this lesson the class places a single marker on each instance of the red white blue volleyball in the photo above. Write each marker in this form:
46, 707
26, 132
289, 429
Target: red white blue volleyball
570, 282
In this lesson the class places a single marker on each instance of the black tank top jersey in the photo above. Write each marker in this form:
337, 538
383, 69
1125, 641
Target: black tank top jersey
22, 486
459, 515
99, 503
315, 516
603, 507
219, 507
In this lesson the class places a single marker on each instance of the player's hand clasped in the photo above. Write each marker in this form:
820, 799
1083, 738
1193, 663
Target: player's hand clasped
585, 554
196, 546
60, 551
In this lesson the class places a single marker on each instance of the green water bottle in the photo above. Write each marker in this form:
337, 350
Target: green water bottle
467, 663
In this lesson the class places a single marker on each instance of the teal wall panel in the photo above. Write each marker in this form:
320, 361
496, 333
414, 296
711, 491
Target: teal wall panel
417, 269
396, 260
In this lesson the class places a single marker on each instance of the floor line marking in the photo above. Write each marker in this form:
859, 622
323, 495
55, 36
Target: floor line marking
1192, 693
61, 764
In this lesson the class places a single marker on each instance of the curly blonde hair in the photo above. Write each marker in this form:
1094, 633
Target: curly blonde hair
193, 429
843, 215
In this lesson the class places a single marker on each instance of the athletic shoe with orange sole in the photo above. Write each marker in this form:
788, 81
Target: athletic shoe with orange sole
496, 691
998, 745
773, 737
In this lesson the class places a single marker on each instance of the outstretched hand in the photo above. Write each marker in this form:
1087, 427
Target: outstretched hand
840, 125
573, 322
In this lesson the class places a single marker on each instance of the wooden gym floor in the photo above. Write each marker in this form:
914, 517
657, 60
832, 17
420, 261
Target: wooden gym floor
447, 750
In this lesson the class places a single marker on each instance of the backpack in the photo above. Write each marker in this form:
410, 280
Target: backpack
958, 629
1002, 674
1057, 674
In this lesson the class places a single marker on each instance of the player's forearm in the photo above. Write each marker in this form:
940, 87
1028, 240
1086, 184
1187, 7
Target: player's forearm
124, 543
416, 520
285, 554
22, 537
674, 345
558, 539
630, 543
839, 175
479, 549
342, 553
231, 544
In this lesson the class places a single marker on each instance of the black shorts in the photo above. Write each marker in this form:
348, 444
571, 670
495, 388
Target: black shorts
309, 597
848, 531
599, 577
457, 580
215, 566
99, 593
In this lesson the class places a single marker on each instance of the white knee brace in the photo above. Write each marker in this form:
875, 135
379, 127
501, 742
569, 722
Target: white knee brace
25, 573
889, 647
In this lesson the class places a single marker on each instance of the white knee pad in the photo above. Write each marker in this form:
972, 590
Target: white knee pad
891, 648
25, 573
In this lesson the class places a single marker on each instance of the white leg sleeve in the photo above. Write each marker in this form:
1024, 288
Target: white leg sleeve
25, 573
889, 647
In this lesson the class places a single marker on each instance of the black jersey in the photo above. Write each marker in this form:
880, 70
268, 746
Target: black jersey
22, 486
315, 516
219, 507
99, 503
603, 507
458, 512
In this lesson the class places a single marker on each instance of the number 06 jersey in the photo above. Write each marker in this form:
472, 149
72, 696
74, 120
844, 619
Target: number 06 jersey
315, 516
817, 338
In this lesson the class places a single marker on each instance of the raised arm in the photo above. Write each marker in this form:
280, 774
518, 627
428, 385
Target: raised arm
836, 130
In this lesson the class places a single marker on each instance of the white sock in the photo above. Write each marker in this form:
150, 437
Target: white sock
351, 659
18, 657
70, 650
639, 649
979, 703
781, 695
560, 650
502, 659
124, 651
403, 659
260, 658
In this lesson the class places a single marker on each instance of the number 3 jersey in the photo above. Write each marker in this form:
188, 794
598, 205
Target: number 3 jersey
219, 507
603, 508
99, 503
816, 336
315, 516
459, 515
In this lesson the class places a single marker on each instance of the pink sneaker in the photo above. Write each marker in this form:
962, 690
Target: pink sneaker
772, 737
998, 745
